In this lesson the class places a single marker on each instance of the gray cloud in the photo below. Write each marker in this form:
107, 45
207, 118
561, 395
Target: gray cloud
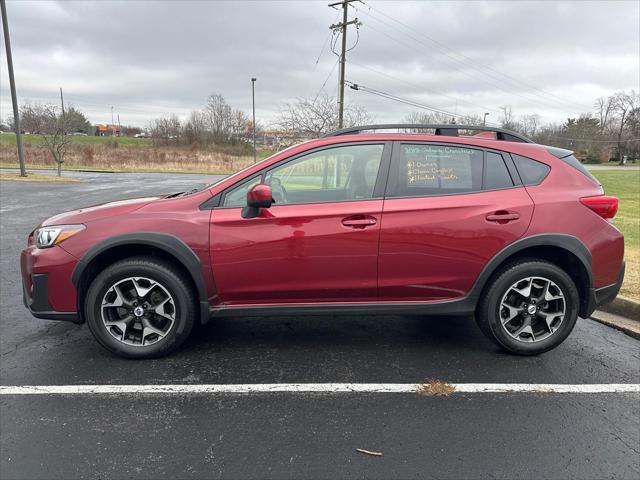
154, 58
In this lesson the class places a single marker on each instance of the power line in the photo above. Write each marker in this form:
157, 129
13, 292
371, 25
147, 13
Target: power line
541, 100
324, 45
396, 98
423, 54
422, 87
326, 80
444, 47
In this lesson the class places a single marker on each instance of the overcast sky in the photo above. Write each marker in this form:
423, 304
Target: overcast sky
155, 58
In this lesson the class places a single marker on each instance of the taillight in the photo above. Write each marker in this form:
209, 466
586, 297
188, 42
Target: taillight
606, 207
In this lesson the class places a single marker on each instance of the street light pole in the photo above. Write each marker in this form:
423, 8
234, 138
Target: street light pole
12, 86
484, 119
253, 101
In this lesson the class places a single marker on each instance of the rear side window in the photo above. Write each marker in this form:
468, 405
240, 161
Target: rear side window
531, 171
496, 174
423, 170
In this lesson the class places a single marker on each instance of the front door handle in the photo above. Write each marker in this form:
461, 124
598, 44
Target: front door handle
502, 216
359, 221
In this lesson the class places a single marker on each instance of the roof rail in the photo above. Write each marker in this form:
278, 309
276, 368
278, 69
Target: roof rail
445, 130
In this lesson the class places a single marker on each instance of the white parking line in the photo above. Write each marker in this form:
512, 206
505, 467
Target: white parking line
314, 388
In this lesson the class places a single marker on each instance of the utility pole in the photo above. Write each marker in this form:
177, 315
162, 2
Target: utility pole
343, 56
113, 125
12, 85
64, 125
119, 126
253, 101
62, 101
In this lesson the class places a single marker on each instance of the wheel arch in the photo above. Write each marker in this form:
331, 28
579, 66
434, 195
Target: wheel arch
148, 244
565, 251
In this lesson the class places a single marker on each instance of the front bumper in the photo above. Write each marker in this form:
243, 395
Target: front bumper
47, 290
36, 299
600, 296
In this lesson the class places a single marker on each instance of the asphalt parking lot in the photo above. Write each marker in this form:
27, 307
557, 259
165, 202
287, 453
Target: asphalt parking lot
298, 435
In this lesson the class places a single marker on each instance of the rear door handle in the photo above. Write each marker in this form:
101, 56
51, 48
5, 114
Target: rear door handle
359, 221
502, 216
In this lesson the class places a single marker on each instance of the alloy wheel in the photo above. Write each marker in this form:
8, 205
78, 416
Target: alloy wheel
138, 311
532, 309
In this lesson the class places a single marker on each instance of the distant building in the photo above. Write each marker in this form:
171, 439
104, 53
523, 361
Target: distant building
106, 130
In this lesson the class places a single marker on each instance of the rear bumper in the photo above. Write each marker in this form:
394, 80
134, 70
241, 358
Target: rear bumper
36, 299
600, 296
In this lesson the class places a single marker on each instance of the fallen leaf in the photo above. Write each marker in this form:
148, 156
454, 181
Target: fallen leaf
436, 388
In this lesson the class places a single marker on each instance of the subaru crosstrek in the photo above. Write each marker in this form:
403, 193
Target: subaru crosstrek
436, 221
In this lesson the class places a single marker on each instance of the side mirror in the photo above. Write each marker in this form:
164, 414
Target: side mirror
259, 196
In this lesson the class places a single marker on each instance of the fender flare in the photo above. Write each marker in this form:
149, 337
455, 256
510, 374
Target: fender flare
170, 244
561, 240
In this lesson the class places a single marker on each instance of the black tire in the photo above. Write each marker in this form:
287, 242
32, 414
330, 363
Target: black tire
170, 279
488, 312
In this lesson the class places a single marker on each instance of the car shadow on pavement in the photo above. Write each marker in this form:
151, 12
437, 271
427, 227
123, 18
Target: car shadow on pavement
346, 332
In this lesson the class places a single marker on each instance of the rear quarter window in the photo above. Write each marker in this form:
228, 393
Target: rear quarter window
575, 163
531, 171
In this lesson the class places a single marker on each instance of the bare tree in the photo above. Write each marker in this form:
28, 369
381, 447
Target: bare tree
165, 129
529, 124
604, 107
355, 115
425, 118
470, 119
310, 117
195, 129
239, 124
313, 118
508, 120
624, 103
46, 121
633, 146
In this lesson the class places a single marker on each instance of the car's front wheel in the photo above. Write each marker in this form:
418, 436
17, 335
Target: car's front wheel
529, 307
140, 308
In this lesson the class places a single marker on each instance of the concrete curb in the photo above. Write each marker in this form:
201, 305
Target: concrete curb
622, 313
624, 307
625, 325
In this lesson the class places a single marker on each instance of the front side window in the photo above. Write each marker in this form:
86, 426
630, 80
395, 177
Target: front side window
329, 175
423, 170
237, 197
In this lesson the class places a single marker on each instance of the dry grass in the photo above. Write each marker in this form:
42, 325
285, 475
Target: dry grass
132, 158
436, 388
35, 177
631, 284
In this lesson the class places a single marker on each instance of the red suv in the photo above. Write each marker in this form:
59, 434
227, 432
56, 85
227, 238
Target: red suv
491, 225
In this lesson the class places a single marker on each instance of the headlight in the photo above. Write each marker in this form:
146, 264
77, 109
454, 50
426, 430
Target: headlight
49, 236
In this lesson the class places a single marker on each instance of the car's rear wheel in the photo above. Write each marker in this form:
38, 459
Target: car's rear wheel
139, 308
529, 307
